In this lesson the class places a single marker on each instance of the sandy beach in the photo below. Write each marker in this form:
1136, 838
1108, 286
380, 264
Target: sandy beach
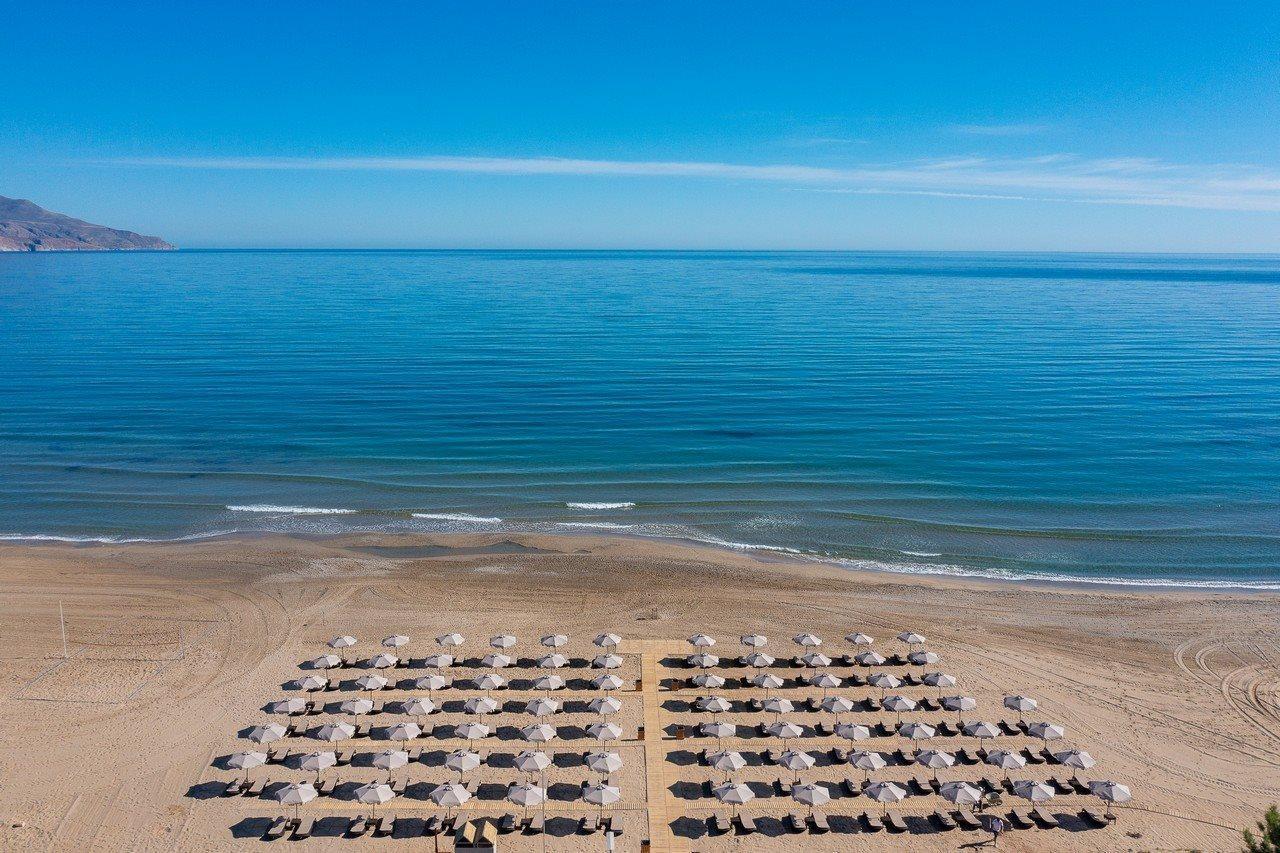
174, 649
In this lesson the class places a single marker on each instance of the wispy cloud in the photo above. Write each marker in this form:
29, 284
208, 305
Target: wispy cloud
1050, 177
1024, 129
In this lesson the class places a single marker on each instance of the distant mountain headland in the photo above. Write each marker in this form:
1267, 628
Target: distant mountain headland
28, 227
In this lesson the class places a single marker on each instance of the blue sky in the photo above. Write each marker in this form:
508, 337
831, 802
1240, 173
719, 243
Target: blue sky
862, 125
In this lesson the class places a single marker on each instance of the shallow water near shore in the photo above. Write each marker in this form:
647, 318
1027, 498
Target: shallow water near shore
1062, 417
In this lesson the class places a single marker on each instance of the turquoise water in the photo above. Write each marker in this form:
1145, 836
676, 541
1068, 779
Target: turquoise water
1053, 416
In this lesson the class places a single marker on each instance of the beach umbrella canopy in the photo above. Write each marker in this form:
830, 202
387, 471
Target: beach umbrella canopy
480, 705
1076, 759
982, 730
917, 731
754, 641
607, 641
446, 641
837, 705
923, 658
1021, 704
1006, 760
1047, 731
604, 762
375, 793
293, 705
767, 680
702, 641
312, 683
714, 704
314, 762
935, 759
778, 705
404, 731
939, 680
490, 681
549, 682
825, 680
541, 707
1036, 792
390, 759
885, 792
718, 730
527, 795
419, 706
431, 682
702, 660
860, 639
554, 641
606, 682
1111, 792
462, 760
333, 732
795, 760
810, 795
959, 703
727, 761
472, 731
449, 794
866, 760
395, 641
383, 660
555, 660
786, 731
611, 661
870, 659
815, 659
734, 793
496, 660
809, 641
708, 680
371, 682
601, 795
885, 681
911, 638
438, 661
246, 760
898, 704
532, 761
605, 705
344, 642
356, 707
538, 733
267, 734
605, 731
852, 731
961, 793
296, 793
759, 660
502, 641
325, 662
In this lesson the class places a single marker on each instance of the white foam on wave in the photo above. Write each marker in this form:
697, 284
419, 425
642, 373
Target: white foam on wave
602, 505
290, 510
459, 516
598, 525
107, 540
921, 553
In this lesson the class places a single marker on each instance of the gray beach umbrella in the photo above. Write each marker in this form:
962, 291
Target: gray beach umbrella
759, 660
917, 731
809, 641
714, 704
371, 682
606, 682
542, 707
885, 793
490, 681
1110, 792
449, 794
383, 660
935, 760
870, 659
911, 638
419, 706
549, 683
785, 731
294, 705
601, 795
982, 730
815, 659
867, 761
1047, 731
610, 661
1036, 792
440, 660
810, 795
719, 731
708, 680
885, 681
754, 641
246, 761
463, 760
702, 641
375, 794
315, 762
1076, 759
778, 705
940, 680
923, 659
538, 733
605, 731
404, 731
555, 660
296, 794
497, 660
1006, 760
391, 759
480, 705
356, 707
448, 641
898, 704
502, 641
837, 705
796, 761
959, 704
554, 641
395, 641
604, 762
342, 643
960, 793
1021, 704
532, 761
734, 793
325, 662
767, 680
334, 732
727, 761
860, 639
852, 732
826, 681
431, 683
472, 731
703, 660
605, 705
312, 683
607, 641
267, 734
526, 795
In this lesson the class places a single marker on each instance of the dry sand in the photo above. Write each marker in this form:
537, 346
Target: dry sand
176, 648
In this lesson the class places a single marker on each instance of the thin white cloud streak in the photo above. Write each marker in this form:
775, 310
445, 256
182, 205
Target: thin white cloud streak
1000, 129
1053, 177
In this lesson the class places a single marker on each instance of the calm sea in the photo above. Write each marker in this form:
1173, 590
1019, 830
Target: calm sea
1057, 416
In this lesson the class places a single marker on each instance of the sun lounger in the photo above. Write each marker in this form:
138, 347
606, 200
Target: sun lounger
894, 822
507, 823
1058, 786
235, 787
1094, 817
255, 790
857, 680
818, 822
873, 821
755, 704
304, 828
276, 830
850, 788
344, 758
721, 825
1043, 818
966, 819
1081, 787
1021, 818
616, 824
380, 826
794, 823
399, 785
326, 786
782, 787
943, 821
591, 824
945, 729
838, 755
824, 729
534, 825
930, 704
1033, 757
813, 703
1009, 728
402, 827
909, 678
362, 730
772, 756
358, 825
745, 823
431, 825
276, 754
964, 756
918, 788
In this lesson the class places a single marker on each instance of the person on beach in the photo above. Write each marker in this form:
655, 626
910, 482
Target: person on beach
997, 827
